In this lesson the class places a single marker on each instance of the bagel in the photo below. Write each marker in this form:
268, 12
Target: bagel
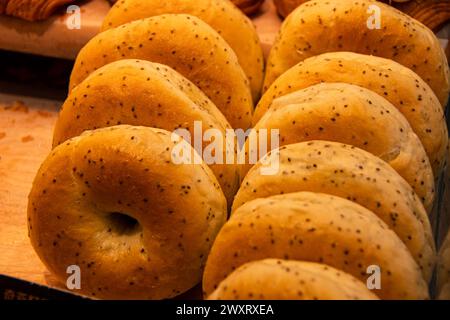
112, 202
186, 44
317, 228
345, 26
353, 115
235, 28
443, 270
397, 84
138, 92
273, 279
348, 172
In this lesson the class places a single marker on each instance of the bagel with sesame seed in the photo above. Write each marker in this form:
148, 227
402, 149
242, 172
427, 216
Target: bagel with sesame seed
235, 28
273, 279
352, 115
362, 26
319, 228
184, 43
113, 203
143, 93
348, 172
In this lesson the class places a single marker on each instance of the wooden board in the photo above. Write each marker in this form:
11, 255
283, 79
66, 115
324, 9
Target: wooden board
25, 140
52, 37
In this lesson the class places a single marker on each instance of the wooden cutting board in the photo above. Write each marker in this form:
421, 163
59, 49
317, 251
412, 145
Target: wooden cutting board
25, 140
53, 38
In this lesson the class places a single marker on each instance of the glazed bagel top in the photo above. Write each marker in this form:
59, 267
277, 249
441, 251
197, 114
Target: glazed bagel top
354, 174
317, 228
112, 202
186, 44
273, 279
321, 26
235, 28
138, 92
353, 115
396, 83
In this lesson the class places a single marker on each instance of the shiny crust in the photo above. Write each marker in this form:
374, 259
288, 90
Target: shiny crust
317, 228
128, 170
236, 29
273, 279
396, 83
353, 115
186, 44
343, 23
348, 172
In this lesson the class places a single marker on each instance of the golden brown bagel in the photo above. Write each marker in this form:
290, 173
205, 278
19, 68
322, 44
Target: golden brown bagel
353, 115
112, 202
235, 28
273, 279
396, 83
138, 92
348, 172
317, 228
320, 26
186, 44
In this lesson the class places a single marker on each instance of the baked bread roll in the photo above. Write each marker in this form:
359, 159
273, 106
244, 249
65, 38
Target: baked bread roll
353, 115
397, 84
344, 25
273, 279
138, 92
248, 6
348, 172
432, 13
443, 270
112, 202
235, 28
186, 44
31, 10
317, 228
285, 7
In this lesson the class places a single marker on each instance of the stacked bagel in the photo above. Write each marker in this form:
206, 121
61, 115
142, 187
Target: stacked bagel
115, 197
362, 138
343, 216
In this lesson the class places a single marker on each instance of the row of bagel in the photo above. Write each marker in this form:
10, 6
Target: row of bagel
363, 139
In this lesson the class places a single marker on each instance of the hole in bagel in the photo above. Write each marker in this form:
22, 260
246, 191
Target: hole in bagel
122, 223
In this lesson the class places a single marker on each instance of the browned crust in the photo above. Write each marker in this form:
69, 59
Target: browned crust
31, 10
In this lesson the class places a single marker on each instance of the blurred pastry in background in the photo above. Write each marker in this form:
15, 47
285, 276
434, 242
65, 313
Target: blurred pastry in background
248, 6
284, 7
31, 10
432, 13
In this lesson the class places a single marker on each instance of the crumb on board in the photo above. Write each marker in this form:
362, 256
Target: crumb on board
27, 138
17, 106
